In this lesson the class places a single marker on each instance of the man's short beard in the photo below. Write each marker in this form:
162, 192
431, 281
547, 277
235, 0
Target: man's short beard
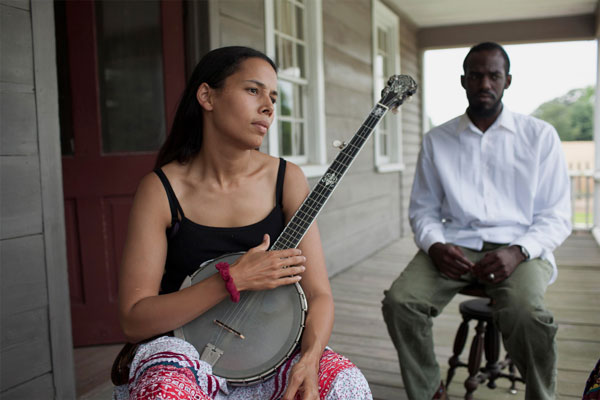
480, 110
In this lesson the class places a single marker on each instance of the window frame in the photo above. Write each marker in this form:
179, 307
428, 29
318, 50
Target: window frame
383, 17
314, 163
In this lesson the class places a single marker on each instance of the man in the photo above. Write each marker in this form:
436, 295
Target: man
489, 204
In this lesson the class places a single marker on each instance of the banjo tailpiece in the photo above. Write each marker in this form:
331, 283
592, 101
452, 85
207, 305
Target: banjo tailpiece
211, 354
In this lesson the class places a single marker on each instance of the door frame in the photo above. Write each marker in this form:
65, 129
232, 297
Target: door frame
55, 245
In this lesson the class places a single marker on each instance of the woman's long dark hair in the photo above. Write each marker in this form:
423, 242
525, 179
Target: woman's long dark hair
185, 138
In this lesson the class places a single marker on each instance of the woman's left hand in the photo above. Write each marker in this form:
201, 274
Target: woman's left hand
303, 380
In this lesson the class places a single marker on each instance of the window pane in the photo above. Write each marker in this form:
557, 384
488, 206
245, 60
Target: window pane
286, 98
301, 61
299, 23
285, 57
383, 137
276, 12
300, 139
301, 95
286, 18
379, 65
285, 138
382, 40
130, 75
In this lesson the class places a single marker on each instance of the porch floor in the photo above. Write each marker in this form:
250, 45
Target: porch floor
360, 333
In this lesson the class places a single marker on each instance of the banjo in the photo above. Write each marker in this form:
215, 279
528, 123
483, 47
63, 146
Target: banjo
246, 342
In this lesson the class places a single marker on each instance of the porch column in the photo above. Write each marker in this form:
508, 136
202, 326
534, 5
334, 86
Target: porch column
596, 228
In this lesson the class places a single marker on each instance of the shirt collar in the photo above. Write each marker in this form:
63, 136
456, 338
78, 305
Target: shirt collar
505, 119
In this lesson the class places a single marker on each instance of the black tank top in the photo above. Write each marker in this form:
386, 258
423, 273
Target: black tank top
190, 244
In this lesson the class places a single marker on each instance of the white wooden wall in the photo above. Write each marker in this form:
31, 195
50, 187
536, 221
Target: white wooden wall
35, 347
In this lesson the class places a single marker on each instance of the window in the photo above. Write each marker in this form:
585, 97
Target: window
293, 40
386, 62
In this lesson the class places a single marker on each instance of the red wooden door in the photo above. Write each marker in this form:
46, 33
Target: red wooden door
126, 72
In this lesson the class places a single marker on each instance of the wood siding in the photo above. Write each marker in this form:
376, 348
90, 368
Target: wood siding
241, 23
28, 216
368, 210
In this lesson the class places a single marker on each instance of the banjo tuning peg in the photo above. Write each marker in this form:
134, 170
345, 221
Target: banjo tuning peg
339, 144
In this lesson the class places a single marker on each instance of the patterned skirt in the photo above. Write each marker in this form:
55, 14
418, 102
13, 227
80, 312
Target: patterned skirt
592, 386
169, 368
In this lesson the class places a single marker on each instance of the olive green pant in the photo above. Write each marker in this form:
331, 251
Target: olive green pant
528, 329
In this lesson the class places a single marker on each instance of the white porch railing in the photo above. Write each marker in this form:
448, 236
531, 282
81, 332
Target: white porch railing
582, 199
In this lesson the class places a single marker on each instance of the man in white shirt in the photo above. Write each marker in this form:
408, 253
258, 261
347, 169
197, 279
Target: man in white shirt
489, 204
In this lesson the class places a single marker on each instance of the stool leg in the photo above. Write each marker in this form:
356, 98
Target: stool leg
492, 353
512, 376
459, 345
475, 360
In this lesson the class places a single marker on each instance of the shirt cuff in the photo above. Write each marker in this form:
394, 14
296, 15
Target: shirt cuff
430, 239
532, 247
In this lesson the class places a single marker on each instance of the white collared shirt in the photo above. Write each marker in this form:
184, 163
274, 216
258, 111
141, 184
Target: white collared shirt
507, 185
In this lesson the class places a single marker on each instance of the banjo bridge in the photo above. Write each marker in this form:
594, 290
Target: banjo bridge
228, 328
211, 354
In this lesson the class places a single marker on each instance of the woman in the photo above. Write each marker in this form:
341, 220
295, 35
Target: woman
214, 193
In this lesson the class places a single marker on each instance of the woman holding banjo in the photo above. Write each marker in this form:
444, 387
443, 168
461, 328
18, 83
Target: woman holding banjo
213, 193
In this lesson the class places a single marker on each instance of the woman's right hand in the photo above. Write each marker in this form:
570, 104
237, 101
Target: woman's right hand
260, 269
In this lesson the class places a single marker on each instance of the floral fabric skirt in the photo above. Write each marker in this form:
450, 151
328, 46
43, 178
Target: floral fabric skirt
169, 368
592, 386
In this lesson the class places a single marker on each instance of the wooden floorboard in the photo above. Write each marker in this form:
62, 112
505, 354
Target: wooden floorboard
360, 333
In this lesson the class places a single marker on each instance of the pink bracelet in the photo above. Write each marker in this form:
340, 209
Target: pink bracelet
223, 269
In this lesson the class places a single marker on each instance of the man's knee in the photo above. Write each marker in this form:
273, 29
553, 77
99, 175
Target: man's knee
518, 314
400, 306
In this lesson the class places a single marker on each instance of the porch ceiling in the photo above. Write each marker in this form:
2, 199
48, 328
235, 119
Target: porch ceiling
437, 13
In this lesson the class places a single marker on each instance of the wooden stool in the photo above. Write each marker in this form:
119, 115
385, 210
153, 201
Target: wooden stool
487, 338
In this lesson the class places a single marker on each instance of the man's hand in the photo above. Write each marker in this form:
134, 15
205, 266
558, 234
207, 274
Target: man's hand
499, 264
450, 260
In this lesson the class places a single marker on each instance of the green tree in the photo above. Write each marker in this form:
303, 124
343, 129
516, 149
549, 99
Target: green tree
571, 114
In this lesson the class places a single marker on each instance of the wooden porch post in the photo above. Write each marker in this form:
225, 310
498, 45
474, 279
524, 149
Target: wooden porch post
46, 96
596, 227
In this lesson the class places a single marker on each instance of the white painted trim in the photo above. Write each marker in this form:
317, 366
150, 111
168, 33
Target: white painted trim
315, 108
313, 171
55, 245
422, 90
382, 16
273, 136
596, 234
396, 167
214, 24
597, 140
318, 153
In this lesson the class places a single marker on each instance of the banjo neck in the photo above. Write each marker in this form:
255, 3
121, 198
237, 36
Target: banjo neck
315, 201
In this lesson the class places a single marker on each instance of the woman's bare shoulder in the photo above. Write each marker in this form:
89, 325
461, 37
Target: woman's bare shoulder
295, 187
294, 173
151, 197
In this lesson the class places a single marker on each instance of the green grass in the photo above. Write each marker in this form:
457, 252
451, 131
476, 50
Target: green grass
580, 217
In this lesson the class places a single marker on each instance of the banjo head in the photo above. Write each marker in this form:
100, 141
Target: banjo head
255, 335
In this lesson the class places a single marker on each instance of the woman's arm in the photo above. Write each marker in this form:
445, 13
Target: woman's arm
315, 282
143, 313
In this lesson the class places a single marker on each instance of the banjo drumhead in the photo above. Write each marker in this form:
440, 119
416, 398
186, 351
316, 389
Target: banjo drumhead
270, 321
